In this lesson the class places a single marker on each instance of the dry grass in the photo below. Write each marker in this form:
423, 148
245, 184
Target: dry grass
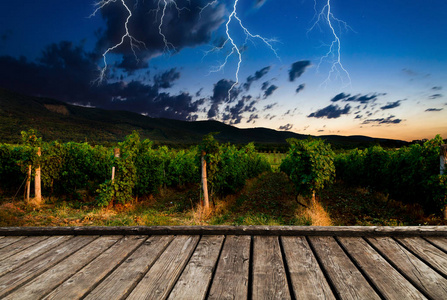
266, 200
317, 215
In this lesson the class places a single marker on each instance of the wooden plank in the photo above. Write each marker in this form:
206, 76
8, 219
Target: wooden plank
22, 257
232, 230
40, 264
20, 245
231, 277
432, 255
441, 242
83, 281
118, 284
306, 276
421, 275
346, 278
195, 279
8, 240
269, 276
388, 281
50, 279
159, 280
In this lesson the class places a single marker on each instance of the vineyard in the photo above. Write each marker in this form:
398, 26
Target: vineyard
262, 186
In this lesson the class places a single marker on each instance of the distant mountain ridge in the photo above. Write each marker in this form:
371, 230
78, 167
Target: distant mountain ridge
57, 120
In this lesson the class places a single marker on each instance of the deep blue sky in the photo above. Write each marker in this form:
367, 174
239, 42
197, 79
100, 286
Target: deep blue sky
393, 54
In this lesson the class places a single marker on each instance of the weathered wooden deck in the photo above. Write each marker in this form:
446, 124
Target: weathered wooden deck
224, 263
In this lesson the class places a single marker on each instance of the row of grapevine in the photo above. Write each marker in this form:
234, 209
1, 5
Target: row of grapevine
409, 174
309, 165
73, 169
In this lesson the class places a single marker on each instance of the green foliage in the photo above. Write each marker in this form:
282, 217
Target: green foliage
409, 174
309, 164
228, 167
79, 170
30, 138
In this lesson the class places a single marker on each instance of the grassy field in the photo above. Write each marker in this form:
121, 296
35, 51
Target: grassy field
274, 159
266, 200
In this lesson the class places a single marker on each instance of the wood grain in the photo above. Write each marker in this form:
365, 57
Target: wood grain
421, 275
196, 277
85, 279
129, 273
20, 245
232, 230
347, 279
49, 280
441, 242
388, 281
269, 276
159, 280
432, 255
8, 240
306, 276
22, 257
231, 277
40, 264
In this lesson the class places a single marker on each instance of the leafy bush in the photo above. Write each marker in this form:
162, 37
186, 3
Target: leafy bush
309, 165
409, 174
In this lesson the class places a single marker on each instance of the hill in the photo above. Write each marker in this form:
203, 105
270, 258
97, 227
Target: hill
57, 120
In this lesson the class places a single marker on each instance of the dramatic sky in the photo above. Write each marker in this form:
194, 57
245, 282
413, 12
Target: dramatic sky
348, 67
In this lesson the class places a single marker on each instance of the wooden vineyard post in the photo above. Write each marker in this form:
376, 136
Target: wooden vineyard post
28, 184
443, 161
206, 202
116, 152
37, 184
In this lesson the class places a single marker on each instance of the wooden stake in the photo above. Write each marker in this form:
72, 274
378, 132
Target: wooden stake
116, 152
206, 202
28, 184
37, 184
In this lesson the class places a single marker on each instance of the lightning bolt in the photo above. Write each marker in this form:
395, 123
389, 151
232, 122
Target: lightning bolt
134, 43
334, 50
162, 6
234, 47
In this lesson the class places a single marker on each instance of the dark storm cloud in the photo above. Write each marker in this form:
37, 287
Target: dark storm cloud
234, 114
265, 85
166, 79
433, 109
391, 105
300, 88
437, 88
270, 106
390, 120
330, 112
286, 127
269, 91
66, 72
298, 69
220, 96
340, 96
252, 118
435, 96
130, 64
363, 99
186, 28
258, 75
